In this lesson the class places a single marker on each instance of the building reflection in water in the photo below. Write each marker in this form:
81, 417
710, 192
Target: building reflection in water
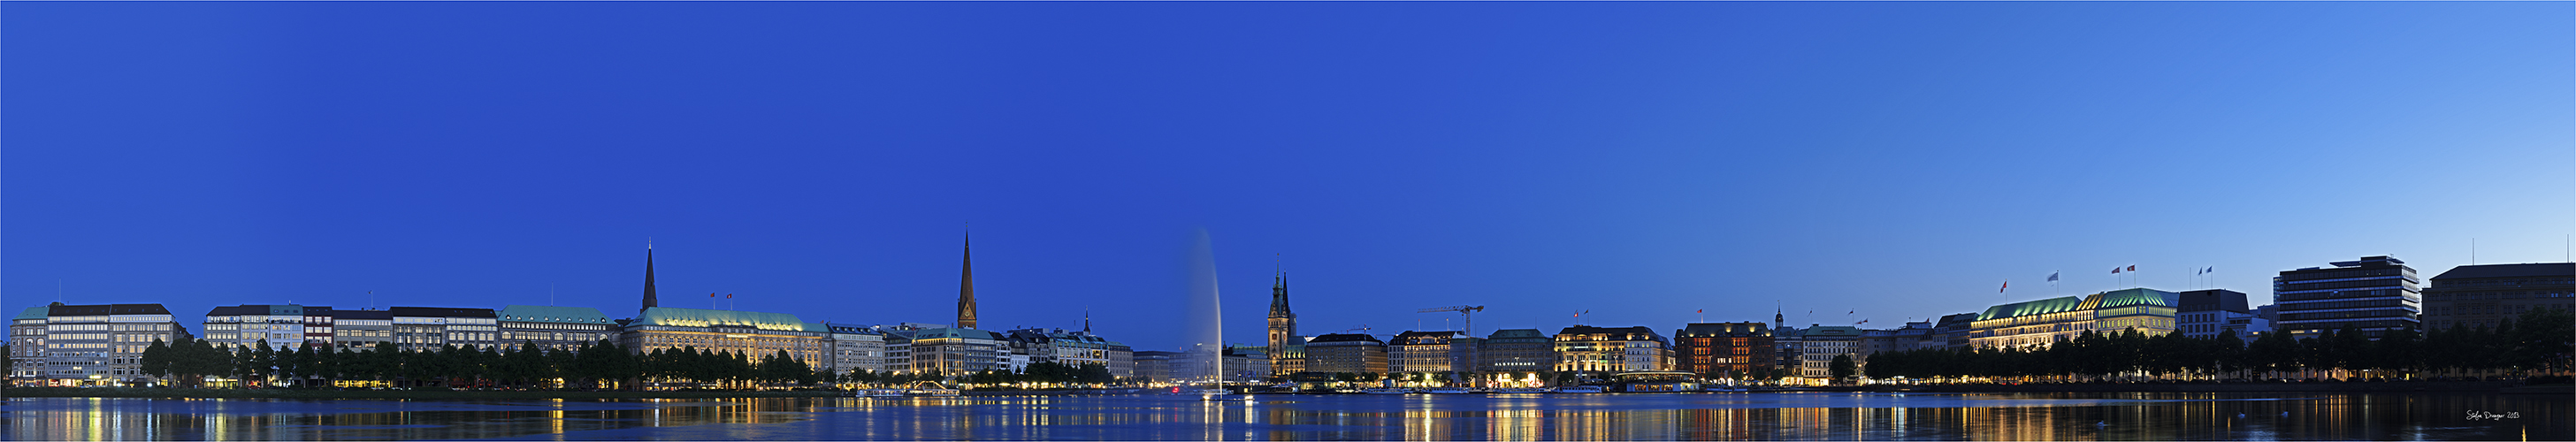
2140, 416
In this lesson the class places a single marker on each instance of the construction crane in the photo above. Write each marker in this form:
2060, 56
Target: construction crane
1363, 328
1468, 310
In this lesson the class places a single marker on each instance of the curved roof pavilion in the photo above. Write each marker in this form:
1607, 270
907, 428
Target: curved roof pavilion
2136, 297
2031, 308
692, 317
2110, 299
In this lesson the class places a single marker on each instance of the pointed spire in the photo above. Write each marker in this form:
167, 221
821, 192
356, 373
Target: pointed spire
966, 287
651, 300
1279, 295
1086, 320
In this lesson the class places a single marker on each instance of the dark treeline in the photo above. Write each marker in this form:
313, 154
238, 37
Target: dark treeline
2542, 342
597, 365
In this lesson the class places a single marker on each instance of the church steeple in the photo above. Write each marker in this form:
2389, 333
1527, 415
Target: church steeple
650, 300
966, 288
1283, 328
1279, 295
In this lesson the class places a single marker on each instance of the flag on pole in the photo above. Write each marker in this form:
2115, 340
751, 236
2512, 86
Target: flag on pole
2210, 269
2052, 276
2133, 268
728, 296
2115, 270
1701, 311
2007, 284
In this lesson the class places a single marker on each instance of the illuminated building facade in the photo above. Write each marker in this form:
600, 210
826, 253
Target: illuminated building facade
428, 328
2374, 294
1430, 352
855, 348
954, 351
1586, 348
87, 344
753, 334
1517, 350
283, 327
361, 329
1819, 344
1723, 348
555, 328
1346, 353
2042, 322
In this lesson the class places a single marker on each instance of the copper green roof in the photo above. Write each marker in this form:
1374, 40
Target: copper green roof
37, 312
2039, 307
548, 313
691, 317
2130, 297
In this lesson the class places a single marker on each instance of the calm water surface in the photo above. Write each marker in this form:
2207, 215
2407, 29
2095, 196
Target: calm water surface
2049, 416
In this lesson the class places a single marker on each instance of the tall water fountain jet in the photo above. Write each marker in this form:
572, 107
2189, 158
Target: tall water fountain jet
1206, 339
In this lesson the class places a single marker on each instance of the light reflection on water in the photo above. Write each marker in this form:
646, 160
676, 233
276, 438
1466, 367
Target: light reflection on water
1835, 416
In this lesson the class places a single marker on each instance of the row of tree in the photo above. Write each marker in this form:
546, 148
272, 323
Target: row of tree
2543, 340
600, 364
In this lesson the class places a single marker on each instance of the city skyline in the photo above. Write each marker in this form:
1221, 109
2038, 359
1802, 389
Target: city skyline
1640, 162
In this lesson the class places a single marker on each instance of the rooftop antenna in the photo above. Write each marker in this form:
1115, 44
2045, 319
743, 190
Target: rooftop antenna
58, 290
371, 300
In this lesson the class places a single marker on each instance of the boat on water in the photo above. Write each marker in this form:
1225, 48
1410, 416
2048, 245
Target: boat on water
1446, 390
903, 392
877, 392
924, 388
1387, 390
1215, 394
1110, 391
1519, 390
1581, 389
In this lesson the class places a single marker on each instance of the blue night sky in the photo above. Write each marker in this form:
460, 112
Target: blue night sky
1638, 160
